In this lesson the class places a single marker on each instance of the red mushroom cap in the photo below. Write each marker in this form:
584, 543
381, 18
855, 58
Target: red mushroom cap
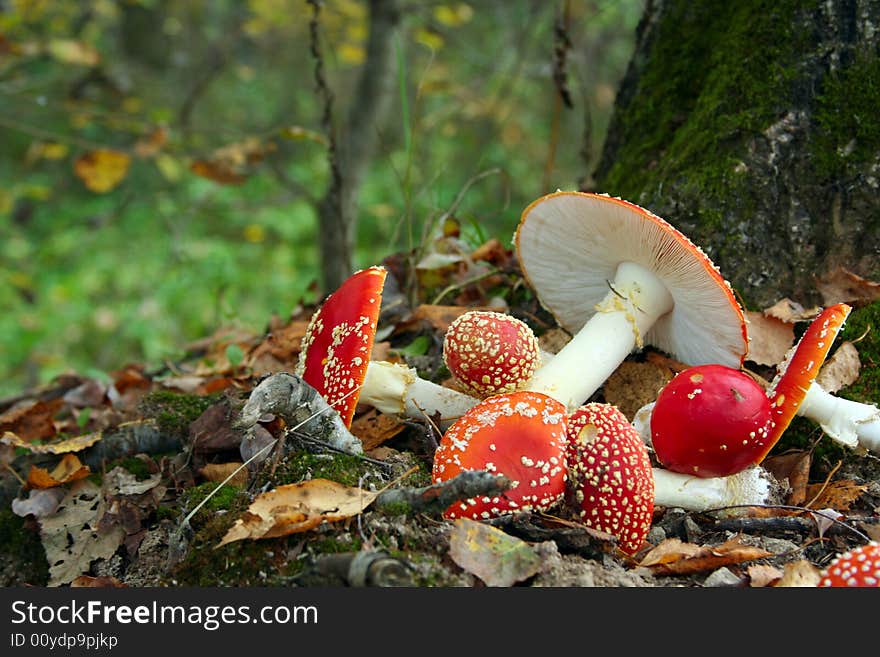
520, 435
711, 421
801, 366
610, 474
860, 567
336, 349
489, 353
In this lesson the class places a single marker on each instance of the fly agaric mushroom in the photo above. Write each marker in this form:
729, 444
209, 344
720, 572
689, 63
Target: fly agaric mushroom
520, 435
489, 353
711, 421
610, 474
618, 277
794, 390
859, 567
335, 358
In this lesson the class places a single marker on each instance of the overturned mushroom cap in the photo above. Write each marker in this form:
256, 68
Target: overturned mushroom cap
520, 435
801, 366
711, 421
571, 243
611, 475
336, 349
489, 353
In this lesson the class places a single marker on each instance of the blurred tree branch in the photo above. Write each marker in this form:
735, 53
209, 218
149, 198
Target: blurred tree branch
352, 146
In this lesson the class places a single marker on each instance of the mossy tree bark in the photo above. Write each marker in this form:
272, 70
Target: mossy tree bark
752, 126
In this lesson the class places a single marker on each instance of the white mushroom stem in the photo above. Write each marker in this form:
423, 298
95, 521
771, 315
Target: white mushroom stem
848, 422
636, 300
396, 388
752, 486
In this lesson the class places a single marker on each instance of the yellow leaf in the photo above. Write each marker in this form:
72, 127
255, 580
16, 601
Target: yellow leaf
350, 53
103, 169
73, 52
69, 469
453, 16
297, 508
254, 233
53, 151
430, 39
169, 167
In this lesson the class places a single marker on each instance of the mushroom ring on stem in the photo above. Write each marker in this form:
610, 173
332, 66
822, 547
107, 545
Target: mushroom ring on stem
335, 358
794, 390
618, 277
520, 435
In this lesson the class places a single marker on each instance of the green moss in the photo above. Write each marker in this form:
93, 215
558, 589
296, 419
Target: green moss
138, 467
301, 466
225, 497
848, 125
688, 120
174, 412
22, 558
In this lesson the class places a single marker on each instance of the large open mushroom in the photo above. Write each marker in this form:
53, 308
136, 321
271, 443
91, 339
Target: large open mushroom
617, 277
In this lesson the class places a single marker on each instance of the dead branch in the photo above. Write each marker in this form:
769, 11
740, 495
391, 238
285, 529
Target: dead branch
438, 497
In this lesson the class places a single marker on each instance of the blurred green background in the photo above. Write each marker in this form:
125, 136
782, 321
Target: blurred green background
159, 160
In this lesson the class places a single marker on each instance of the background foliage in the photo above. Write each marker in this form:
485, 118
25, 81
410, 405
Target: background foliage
159, 160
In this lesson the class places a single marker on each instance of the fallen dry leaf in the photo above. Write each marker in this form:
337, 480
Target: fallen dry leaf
103, 169
374, 428
87, 581
151, 144
31, 421
68, 470
761, 575
838, 495
790, 311
843, 286
674, 557
793, 467
799, 573
218, 472
75, 444
494, 556
297, 508
841, 370
770, 338
71, 538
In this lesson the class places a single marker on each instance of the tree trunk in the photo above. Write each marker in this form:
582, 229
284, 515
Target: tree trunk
752, 126
355, 143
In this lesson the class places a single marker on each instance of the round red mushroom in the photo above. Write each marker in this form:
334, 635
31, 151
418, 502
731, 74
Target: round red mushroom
336, 349
610, 474
520, 435
711, 421
617, 277
489, 353
859, 567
